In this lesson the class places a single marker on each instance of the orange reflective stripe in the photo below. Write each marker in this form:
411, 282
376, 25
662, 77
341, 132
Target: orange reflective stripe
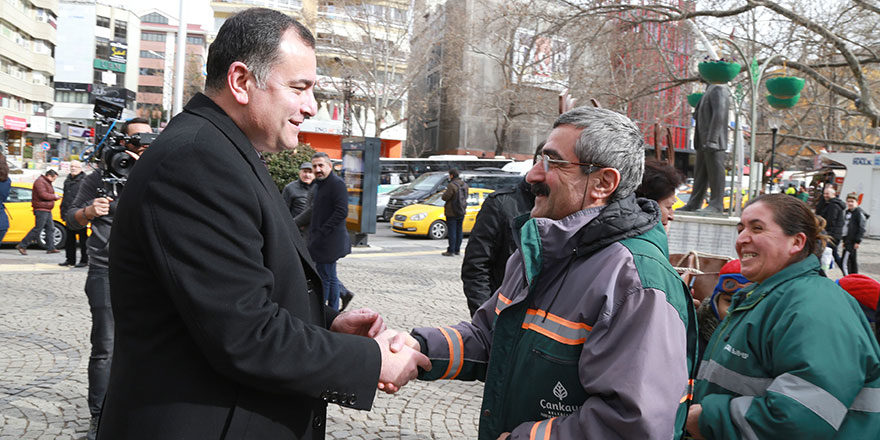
558, 338
503, 299
534, 431
460, 361
560, 320
549, 427
451, 352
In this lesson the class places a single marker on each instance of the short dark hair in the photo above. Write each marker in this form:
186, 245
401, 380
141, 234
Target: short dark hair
131, 121
323, 155
51, 172
251, 36
794, 216
659, 181
454, 173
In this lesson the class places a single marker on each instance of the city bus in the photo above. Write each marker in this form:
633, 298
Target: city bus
395, 171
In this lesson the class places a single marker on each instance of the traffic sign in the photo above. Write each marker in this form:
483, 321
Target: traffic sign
45, 146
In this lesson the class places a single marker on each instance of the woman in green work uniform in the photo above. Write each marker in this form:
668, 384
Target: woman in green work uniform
795, 357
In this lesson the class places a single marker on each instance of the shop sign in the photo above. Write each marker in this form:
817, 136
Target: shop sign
109, 65
14, 123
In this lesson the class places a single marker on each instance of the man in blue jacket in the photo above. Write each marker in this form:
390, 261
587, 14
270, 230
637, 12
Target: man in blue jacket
328, 238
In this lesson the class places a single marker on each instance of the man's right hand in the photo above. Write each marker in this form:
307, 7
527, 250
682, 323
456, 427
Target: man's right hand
99, 207
400, 363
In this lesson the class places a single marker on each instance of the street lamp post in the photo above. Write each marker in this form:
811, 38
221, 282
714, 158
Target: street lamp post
774, 123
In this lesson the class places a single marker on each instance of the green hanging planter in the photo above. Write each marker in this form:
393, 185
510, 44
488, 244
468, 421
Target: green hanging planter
781, 103
785, 86
718, 72
694, 99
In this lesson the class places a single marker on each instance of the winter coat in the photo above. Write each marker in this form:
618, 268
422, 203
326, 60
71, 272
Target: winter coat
833, 213
456, 195
793, 359
855, 229
296, 196
71, 187
491, 242
5, 187
328, 237
44, 195
592, 333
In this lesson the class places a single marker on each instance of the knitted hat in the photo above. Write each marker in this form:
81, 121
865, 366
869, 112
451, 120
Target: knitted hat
732, 266
864, 289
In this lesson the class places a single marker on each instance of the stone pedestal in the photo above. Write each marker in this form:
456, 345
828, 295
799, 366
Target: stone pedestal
703, 233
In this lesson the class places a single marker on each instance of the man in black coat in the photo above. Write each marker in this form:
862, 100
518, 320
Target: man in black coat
491, 242
296, 193
832, 209
853, 231
221, 330
328, 237
74, 236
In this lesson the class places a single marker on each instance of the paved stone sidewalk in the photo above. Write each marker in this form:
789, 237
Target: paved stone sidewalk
44, 348
44, 326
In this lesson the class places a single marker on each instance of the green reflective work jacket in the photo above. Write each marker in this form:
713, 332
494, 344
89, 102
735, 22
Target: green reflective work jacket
795, 358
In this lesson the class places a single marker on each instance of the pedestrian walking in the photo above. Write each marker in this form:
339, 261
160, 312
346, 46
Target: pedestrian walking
5, 187
832, 209
328, 237
42, 202
76, 237
795, 357
853, 231
454, 209
297, 194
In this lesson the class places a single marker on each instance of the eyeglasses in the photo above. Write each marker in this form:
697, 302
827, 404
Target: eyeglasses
545, 160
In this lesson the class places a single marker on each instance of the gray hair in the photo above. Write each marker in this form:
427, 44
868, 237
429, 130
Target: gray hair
321, 154
608, 139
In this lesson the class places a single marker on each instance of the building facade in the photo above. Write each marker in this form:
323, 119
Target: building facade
362, 52
96, 58
158, 46
28, 39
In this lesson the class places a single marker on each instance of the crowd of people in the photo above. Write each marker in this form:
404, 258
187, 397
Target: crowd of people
580, 326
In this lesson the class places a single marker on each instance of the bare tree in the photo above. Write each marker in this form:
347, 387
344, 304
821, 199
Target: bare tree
833, 45
367, 55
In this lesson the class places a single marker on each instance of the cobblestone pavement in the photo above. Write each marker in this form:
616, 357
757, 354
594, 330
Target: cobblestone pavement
44, 349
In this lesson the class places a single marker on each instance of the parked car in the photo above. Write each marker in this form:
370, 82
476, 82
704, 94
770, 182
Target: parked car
21, 216
427, 218
383, 194
429, 183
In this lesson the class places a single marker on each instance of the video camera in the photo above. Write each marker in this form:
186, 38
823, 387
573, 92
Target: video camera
110, 151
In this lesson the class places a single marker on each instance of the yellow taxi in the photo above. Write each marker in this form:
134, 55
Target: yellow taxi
682, 198
21, 216
427, 218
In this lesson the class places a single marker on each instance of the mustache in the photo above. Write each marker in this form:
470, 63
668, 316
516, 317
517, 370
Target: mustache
540, 189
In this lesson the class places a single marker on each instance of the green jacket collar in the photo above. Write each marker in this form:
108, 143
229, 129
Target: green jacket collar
750, 296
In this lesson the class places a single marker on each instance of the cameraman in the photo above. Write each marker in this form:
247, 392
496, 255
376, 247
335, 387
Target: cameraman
93, 205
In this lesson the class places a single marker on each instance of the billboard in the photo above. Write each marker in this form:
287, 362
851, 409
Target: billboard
542, 59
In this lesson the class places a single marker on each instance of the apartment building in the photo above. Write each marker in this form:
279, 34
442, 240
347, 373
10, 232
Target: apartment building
362, 53
158, 46
95, 58
28, 37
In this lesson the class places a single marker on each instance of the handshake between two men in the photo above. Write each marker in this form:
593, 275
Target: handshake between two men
401, 354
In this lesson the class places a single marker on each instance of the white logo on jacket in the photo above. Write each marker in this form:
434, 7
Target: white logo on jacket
559, 391
736, 352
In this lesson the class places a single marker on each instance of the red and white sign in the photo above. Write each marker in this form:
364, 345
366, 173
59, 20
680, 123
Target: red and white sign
14, 123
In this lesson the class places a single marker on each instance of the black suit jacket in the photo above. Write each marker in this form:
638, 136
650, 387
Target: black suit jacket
328, 237
220, 327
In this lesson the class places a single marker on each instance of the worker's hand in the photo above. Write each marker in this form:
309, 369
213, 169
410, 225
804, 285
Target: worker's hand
693, 421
